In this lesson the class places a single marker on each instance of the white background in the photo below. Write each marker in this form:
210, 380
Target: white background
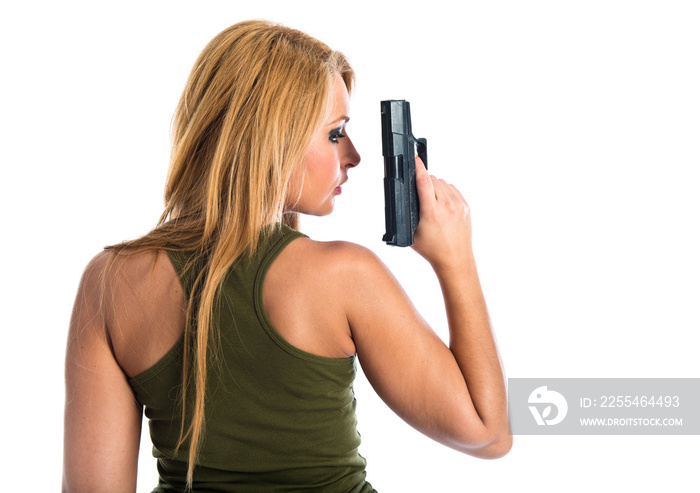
571, 128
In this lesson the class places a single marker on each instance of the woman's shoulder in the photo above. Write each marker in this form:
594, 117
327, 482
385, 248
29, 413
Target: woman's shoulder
139, 297
338, 268
117, 272
341, 256
308, 291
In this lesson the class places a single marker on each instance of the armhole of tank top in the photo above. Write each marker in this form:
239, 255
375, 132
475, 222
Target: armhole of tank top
173, 354
176, 258
270, 257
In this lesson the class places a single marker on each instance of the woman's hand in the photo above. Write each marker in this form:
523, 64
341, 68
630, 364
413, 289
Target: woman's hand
443, 235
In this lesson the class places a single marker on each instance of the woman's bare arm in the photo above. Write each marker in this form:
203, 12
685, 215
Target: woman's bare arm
454, 394
102, 418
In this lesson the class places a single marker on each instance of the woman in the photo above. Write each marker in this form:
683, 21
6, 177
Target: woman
238, 334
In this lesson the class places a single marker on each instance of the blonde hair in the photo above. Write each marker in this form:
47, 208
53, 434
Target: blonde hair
255, 97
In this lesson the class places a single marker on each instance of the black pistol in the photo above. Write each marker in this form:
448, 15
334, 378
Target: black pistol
399, 147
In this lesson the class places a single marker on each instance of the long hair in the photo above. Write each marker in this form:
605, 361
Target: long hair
254, 98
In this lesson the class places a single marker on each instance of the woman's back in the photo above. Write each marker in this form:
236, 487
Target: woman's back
277, 416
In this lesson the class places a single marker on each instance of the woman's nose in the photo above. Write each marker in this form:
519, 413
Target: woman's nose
352, 158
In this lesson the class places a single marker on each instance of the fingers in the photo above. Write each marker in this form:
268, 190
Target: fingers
432, 190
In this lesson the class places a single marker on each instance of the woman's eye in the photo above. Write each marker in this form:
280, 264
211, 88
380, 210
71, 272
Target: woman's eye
335, 135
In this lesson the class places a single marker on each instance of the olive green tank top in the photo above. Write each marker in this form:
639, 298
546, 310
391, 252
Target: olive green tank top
276, 418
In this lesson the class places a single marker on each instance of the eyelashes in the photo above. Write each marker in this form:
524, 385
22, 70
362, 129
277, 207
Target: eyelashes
336, 134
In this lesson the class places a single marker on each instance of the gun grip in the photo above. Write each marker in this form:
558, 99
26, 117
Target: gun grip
422, 147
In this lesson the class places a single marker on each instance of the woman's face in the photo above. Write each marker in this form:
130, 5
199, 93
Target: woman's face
324, 169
